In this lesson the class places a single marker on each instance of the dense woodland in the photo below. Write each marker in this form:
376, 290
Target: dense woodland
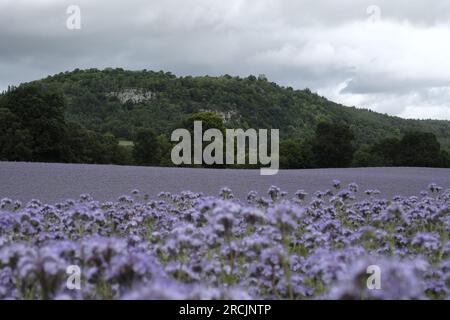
85, 116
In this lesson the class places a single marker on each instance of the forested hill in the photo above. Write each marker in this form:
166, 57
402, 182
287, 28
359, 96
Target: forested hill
118, 101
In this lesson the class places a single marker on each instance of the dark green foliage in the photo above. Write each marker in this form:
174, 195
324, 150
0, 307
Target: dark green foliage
34, 120
295, 154
365, 157
415, 149
419, 149
147, 150
244, 102
387, 151
444, 159
165, 147
79, 116
86, 146
33, 128
210, 120
15, 141
332, 146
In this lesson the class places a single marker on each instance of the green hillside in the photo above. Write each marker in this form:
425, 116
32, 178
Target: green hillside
118, 102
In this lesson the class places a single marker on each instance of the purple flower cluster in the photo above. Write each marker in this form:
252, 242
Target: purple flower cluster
191, 246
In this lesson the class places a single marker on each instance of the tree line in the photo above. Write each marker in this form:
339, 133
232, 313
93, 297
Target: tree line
333, 146
33, 127
93, 101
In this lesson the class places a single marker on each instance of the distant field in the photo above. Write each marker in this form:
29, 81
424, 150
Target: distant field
54, 182
126, 143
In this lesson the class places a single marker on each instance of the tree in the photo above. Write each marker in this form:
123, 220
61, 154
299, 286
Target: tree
146, 149
33, 128
365, 157
210, 120
444, 159
36, 124
295, 154
86, 146
165, 147
387, 151
414, 149
15, 142
419, 149
332, 146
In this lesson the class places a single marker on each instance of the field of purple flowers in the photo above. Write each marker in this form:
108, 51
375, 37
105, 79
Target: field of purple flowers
190, 246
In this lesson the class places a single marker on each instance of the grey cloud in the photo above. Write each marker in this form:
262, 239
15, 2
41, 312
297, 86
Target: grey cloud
328, 46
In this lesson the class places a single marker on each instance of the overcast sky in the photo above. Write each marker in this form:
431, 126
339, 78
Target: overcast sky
389, 56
